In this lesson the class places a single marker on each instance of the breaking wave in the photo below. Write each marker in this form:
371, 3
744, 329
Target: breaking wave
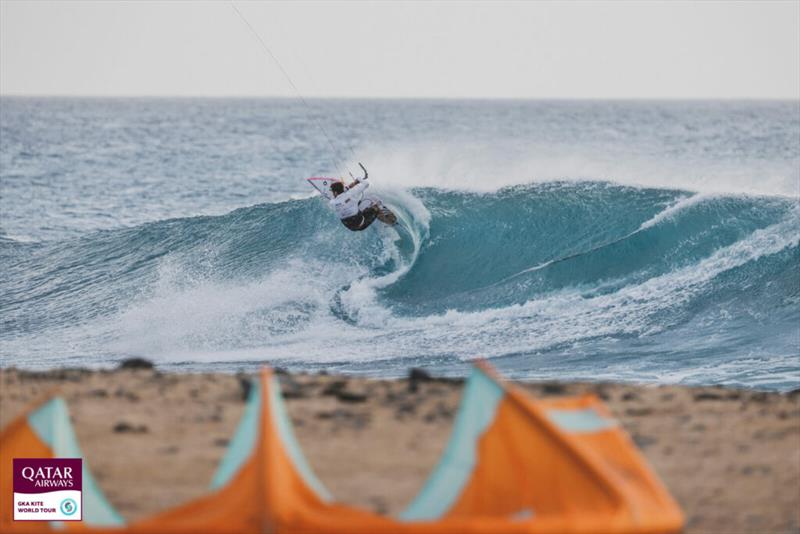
558, 279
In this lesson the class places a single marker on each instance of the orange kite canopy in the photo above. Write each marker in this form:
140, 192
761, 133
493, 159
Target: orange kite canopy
513, 464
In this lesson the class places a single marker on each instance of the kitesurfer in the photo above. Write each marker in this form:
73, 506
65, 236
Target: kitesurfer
355, 214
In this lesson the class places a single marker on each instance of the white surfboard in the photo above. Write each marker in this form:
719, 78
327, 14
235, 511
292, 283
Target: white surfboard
323, 185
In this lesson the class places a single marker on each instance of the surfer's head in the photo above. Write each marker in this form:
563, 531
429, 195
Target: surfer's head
337, 188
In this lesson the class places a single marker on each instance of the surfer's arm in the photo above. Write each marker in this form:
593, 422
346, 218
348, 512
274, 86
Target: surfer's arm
358, 187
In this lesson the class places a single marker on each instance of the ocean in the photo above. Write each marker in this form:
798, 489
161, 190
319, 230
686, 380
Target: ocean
654, 242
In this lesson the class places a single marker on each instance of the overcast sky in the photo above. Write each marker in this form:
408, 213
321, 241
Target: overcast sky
382, 49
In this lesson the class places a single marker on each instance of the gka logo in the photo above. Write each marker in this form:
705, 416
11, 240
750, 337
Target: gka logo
68, 507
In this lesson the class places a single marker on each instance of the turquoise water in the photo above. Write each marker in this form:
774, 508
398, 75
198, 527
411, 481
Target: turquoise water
645, 241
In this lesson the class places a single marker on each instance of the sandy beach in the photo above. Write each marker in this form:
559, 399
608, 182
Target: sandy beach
730, 457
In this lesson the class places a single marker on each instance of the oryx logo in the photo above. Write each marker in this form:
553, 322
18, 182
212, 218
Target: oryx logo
48, 489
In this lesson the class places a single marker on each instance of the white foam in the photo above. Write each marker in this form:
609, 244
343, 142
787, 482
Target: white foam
485, 168
183, 314
672, 210
360, 300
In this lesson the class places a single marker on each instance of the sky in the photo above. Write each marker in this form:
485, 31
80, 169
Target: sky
711, 49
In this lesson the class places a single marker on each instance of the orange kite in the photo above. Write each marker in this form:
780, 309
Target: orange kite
513, 464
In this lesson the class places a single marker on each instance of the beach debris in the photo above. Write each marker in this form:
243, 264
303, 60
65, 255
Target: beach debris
64, 375
334, 387
418, 376
602, 392
643, 441
124, 427
129, 395
291, 388
338, 413
345, 418
415, 374
707, 396
629, 396
441, 412
245, 385
209, 418
349, 396
378, 505
553, 388
338, 389
404, 409
135, 363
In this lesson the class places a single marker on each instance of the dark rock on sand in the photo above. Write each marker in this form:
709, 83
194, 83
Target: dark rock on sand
415, 374
334, 387
405, 408
553, 388
291, 388
629, 396
128, 395
136, 363
245, 385
707, 396
415, 377
349, 396
123, 427
643, 441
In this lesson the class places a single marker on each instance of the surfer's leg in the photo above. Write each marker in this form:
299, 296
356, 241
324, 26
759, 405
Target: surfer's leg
354, 223
362, 220
368, 217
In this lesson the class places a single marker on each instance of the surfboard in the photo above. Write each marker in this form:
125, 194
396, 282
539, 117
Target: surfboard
323, 185
387, 216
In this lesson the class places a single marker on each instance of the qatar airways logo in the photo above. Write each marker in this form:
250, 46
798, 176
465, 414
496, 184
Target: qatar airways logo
49, 477
48, 489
